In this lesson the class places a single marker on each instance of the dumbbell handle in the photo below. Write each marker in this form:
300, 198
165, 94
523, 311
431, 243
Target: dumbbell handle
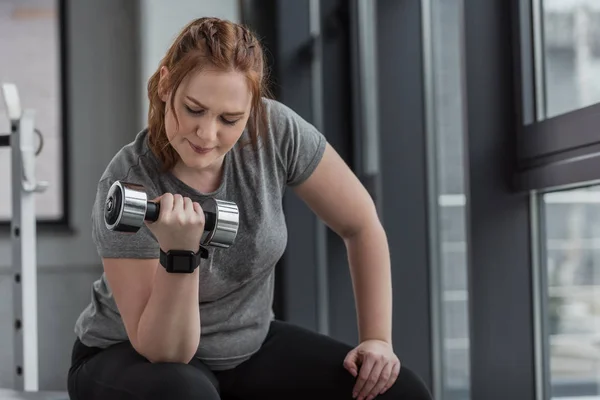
153, 211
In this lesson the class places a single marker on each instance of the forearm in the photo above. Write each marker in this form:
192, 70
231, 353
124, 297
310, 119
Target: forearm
369, 258
169, 327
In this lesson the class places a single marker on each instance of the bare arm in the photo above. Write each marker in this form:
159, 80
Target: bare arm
160, 310
336, 195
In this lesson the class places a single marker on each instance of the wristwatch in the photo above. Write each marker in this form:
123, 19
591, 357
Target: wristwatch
182, 261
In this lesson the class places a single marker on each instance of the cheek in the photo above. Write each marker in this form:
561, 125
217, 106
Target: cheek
231, 135
175, 127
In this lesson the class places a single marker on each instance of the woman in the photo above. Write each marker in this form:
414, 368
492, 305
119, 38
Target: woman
150, 333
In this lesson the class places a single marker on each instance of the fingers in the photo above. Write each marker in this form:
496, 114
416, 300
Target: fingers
394, 375
363, 377
166, 203
383, 380
350, 363
371, 378
195, 211
180, 207
177, 202
188, 206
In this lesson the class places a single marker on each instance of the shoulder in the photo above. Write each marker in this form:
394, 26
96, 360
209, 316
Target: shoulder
134, 162
297, 144
277, 111
286, 127
281, 117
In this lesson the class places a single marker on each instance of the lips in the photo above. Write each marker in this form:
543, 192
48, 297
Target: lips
200, 150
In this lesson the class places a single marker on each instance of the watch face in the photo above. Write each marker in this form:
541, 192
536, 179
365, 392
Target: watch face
181, 262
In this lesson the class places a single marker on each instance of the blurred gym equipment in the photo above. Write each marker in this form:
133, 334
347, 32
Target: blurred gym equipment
23, 238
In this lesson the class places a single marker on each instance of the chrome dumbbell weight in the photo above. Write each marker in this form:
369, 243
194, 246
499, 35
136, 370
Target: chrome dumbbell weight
127, 207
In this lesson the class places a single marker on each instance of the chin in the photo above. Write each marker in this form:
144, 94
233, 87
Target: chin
198, 162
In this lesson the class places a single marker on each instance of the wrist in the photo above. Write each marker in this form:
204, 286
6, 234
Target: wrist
169, 247
384, 339
181, 261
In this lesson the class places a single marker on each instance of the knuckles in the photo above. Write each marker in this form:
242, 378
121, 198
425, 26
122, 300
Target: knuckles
180, 211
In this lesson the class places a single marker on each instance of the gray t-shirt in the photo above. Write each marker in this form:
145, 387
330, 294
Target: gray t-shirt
236, 284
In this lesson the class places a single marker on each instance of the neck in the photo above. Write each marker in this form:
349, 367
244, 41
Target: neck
205, 180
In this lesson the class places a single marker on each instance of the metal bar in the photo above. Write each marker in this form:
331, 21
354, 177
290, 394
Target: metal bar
525, 61
561, 174
538, 59
322, 283
364, 59
435, 261
16, 240
540, 298
24, 252
23, 238
547, 137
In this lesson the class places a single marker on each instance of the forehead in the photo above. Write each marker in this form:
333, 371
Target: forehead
221, 90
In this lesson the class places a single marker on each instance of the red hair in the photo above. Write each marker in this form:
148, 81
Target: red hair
207, 42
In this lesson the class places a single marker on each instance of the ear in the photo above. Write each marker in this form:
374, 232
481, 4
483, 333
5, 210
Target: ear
164, 76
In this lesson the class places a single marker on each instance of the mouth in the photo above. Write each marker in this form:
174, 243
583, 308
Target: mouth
200, 150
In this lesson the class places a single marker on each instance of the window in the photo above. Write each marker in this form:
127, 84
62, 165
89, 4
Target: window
571, 226
571, 47
559, 54
448, 128
558, 155
30, 48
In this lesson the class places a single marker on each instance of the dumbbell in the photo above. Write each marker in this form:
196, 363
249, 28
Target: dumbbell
127, 207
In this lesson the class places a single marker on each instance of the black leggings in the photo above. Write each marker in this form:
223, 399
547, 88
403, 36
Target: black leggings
293, 363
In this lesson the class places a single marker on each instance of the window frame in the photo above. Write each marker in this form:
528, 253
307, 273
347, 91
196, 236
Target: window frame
546, 156
551, 154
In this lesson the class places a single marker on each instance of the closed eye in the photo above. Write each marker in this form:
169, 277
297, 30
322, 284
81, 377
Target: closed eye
194, 112
200, 112
229, 122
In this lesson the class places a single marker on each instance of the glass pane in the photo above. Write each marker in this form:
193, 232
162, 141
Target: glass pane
30, 58
449, 131
571, 30
572, 241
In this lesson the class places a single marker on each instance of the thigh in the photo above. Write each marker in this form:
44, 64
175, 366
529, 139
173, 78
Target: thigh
295, 363
120, 372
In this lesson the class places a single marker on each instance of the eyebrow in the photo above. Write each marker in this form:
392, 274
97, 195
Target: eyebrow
231, 114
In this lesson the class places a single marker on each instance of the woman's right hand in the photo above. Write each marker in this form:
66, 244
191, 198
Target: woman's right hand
180, 223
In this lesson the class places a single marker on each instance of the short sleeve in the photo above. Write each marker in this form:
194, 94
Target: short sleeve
301, 144
113, 244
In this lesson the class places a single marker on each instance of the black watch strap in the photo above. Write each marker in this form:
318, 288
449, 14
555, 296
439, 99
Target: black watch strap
181, 261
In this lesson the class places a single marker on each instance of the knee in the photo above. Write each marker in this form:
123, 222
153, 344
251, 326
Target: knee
408, 386
179, 381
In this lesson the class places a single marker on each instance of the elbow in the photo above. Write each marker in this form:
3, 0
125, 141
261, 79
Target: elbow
368, 227
179, 358
156, 353
365, 222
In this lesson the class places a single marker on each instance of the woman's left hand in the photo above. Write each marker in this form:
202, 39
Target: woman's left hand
375, 365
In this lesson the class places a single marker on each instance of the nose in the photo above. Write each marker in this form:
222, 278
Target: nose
206, 130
